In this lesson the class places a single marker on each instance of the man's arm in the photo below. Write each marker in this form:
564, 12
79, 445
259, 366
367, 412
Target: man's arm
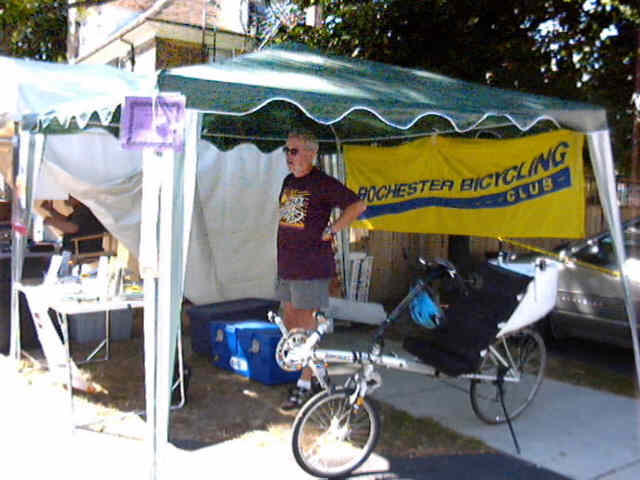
57, 220
349, 214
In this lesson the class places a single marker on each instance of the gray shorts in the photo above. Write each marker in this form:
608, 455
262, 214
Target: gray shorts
305, 294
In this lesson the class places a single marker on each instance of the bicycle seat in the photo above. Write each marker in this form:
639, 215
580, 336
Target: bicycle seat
471, 322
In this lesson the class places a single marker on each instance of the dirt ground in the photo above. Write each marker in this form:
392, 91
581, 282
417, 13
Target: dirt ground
220, 404
223, 406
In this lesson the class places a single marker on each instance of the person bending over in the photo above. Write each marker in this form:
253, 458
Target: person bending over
80, 222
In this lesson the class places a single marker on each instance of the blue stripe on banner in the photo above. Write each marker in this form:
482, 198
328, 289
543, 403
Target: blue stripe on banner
555, 182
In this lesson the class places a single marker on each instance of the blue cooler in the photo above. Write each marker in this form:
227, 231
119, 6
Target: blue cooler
201, 316
249, 348
219, 344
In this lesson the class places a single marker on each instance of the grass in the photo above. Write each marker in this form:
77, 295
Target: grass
563, 368
403, 435
584, 374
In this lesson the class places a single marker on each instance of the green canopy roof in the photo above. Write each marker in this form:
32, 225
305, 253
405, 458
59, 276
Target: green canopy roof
262, 95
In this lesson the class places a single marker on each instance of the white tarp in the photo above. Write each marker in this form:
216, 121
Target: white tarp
93, 168
232, 249
238, 194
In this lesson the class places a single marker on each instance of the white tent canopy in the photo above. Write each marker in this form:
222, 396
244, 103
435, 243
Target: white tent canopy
58, 91
257, 98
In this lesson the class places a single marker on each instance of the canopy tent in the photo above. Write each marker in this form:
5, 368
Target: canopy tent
258, 98
261, 96
52, 90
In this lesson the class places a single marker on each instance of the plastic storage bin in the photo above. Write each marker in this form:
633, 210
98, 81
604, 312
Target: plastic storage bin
89, 327
248, 348
200, 317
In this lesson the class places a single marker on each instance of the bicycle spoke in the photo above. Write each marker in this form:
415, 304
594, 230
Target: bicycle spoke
527, 359
331, 437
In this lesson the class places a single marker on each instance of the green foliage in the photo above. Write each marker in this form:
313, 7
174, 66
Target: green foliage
551, 47
37, 28
34, 29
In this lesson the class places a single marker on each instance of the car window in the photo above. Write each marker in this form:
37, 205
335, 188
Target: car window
598, 253
632, 241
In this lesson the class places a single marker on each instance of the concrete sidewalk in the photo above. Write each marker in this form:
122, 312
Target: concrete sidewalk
37, 442
567, 432
576, 432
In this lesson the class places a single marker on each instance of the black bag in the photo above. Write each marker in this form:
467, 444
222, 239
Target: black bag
472, 320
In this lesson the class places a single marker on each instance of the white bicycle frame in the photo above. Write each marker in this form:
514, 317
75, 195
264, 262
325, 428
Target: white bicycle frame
536, 302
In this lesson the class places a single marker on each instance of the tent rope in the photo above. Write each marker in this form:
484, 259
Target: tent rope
561, 258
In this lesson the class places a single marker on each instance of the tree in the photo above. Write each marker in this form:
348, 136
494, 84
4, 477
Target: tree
565, 48
37, 28
33, 28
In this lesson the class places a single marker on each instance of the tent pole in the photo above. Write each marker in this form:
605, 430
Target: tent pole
170, 255
344, 234
17, 253
149, 271
162, 202
193, 127
30, 151
166, 226
602, 161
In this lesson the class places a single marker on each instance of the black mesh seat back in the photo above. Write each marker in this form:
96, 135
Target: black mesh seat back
472, 320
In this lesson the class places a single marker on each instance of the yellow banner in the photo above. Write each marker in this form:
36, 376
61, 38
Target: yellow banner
526, 187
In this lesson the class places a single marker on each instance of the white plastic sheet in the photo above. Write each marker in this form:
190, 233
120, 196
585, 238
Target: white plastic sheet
238, 197
232, 246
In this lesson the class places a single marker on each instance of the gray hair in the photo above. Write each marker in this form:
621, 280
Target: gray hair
307, 137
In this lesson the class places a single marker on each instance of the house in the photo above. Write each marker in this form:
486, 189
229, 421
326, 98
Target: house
147, 35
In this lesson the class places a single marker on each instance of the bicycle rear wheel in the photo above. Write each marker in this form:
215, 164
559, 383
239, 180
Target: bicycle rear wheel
331, 436
526, 358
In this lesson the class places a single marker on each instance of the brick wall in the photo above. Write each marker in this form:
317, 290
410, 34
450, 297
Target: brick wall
187, 12
175, 53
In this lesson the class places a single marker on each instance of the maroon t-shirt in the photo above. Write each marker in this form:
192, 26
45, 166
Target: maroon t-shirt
305, 207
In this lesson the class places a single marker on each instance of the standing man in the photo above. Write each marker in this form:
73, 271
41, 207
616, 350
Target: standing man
305, 257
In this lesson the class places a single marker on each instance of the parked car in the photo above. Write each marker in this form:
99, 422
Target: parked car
589, 300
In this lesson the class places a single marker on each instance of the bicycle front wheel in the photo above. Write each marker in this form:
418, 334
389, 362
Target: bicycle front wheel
333, 436
524, 356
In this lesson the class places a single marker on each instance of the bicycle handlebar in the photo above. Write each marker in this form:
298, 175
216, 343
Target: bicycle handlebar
437, 267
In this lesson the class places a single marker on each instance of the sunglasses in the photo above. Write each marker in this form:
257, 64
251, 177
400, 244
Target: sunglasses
291, 151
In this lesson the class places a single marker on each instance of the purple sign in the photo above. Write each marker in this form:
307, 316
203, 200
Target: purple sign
155, 122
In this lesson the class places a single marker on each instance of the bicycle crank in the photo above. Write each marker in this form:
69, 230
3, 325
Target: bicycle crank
294, 339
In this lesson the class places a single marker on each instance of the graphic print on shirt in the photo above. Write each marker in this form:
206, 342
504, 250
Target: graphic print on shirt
293, 207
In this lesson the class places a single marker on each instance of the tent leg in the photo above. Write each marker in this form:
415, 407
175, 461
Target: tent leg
168, 185
149, 273
17, 255
343, 236
163, 291
28, 150
602, 160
